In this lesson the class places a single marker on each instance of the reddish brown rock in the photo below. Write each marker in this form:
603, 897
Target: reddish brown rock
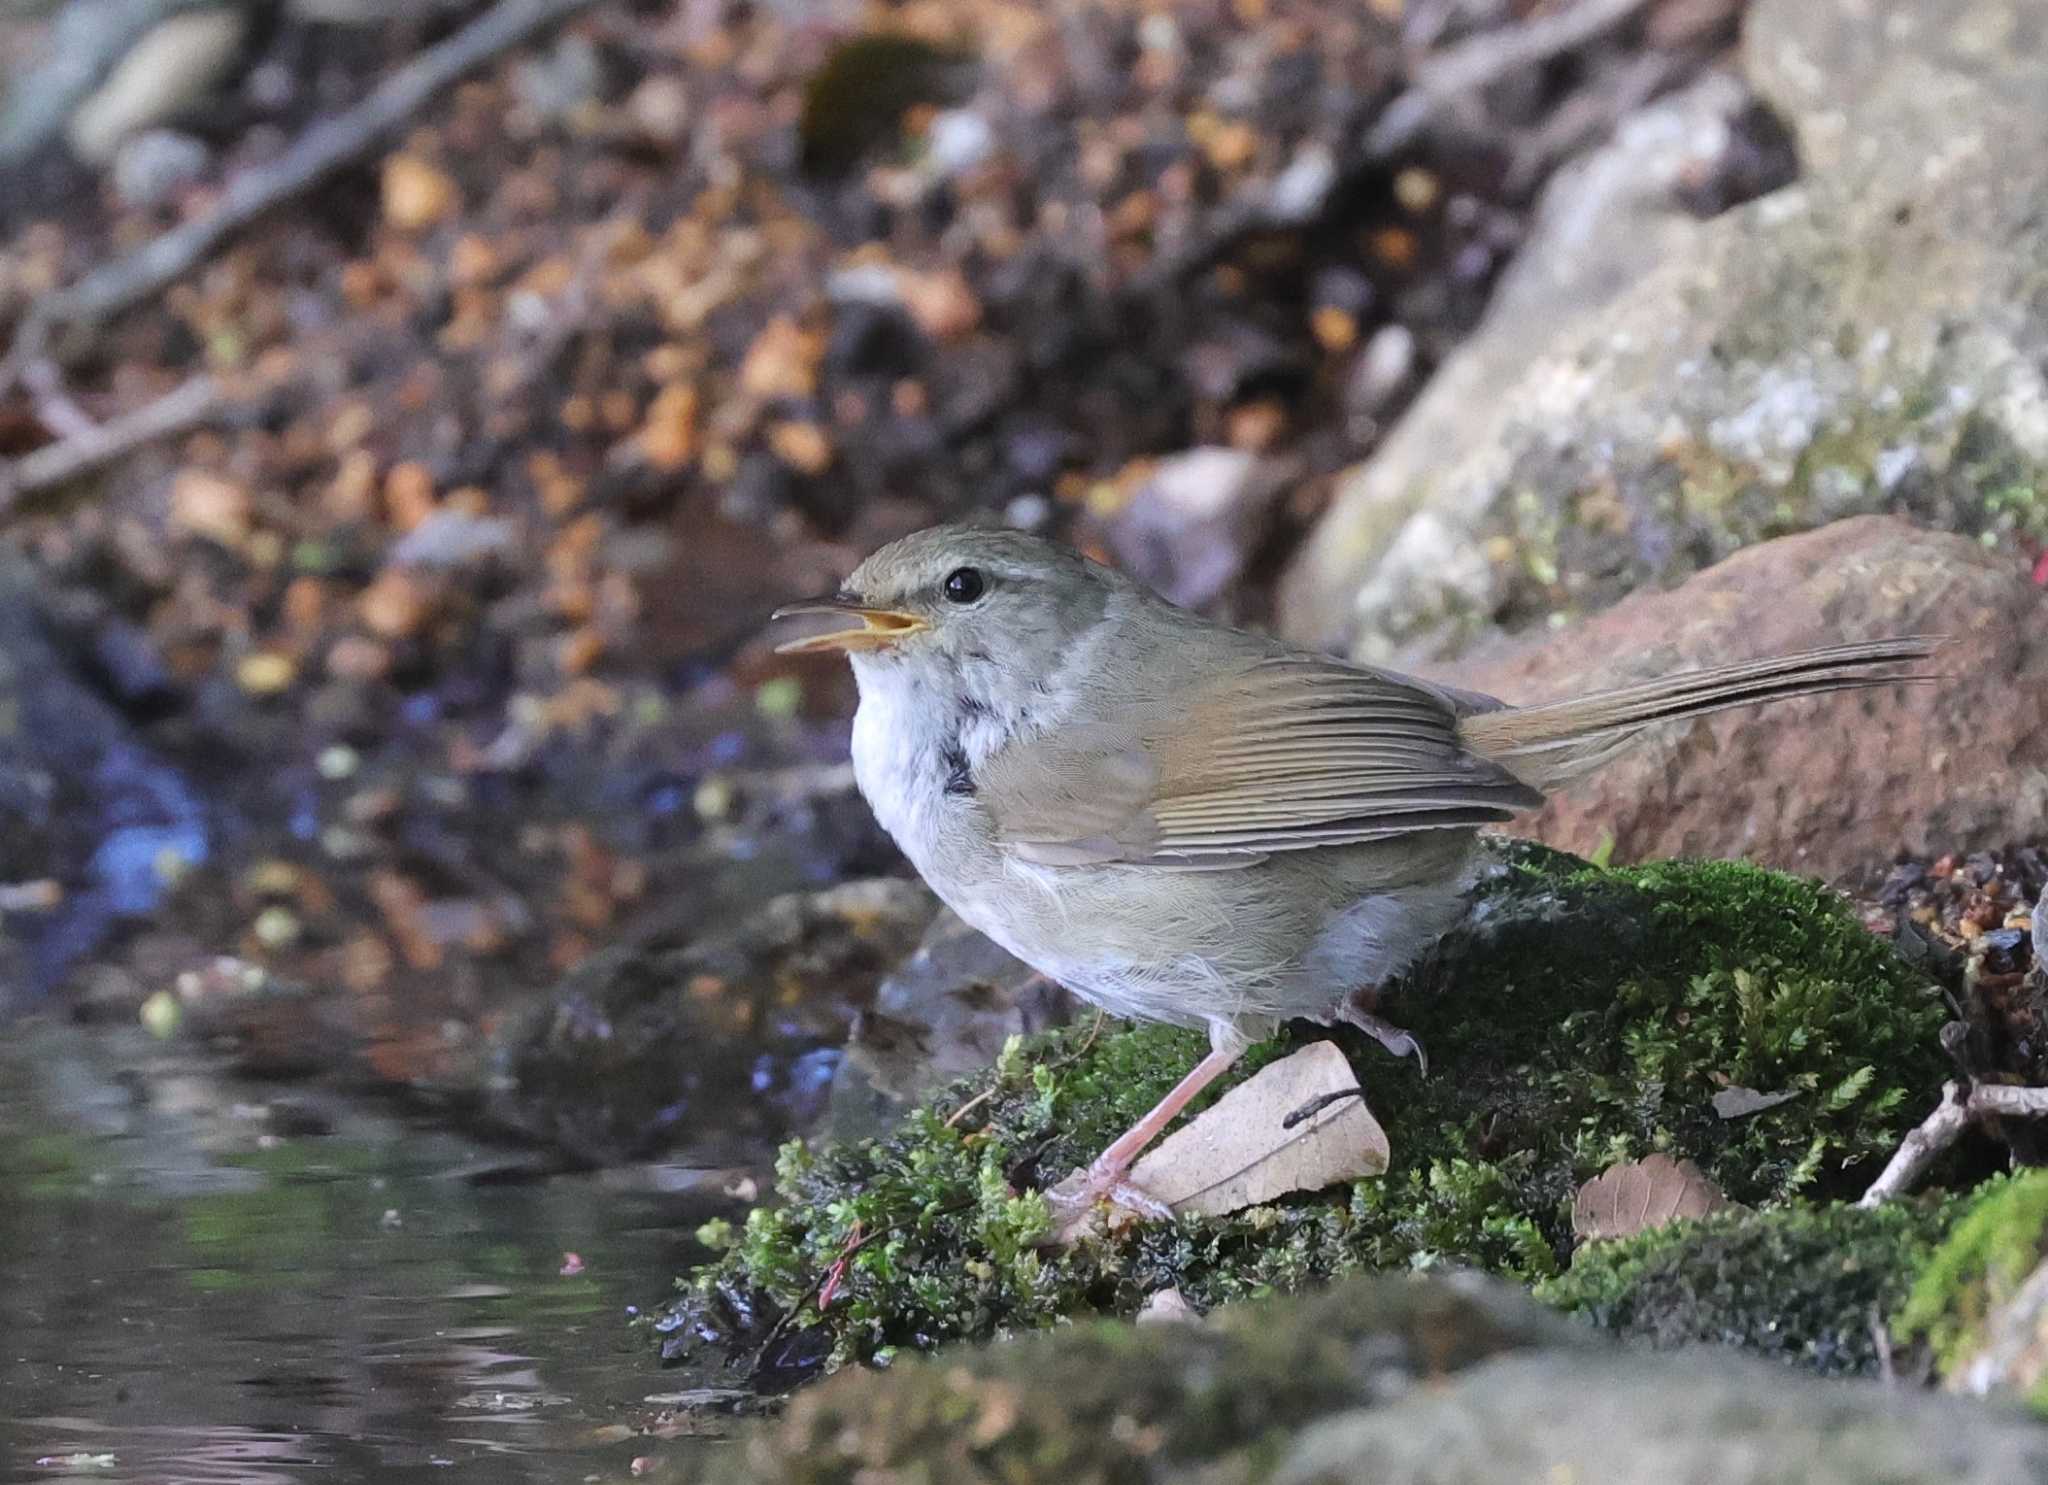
1832, 785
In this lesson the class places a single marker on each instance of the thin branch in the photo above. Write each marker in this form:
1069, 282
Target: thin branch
322, 149
1996, 1099
185, 407
59, 412
1955, 1113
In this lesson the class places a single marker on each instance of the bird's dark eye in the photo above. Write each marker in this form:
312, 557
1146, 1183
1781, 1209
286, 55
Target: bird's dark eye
965, 584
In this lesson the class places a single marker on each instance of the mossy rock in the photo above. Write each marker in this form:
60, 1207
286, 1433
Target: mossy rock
1801, 1283
1104, 1401
1996, 1245
1381, 1377
1582, 1016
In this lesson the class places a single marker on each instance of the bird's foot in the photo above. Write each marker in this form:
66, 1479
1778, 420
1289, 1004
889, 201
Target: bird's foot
1400, 1042
1097, 1198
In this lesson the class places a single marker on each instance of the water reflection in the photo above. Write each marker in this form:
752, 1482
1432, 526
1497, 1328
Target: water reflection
187, 1297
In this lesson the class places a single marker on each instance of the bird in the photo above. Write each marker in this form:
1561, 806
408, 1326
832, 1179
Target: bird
1185, 822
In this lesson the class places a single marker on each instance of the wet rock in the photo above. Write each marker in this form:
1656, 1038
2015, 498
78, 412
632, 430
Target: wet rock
711, 1042
943, 1013
1191, 527
1957, 763
1393, 1379
84, 801
1867, 339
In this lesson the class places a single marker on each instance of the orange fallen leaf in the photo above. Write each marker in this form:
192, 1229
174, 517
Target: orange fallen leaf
1638, 1195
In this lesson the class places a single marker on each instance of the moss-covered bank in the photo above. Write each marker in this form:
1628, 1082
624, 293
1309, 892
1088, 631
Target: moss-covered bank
1802, 1282
1582, 1016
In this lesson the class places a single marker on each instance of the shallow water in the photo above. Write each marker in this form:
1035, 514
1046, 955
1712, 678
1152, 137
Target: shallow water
195, 1290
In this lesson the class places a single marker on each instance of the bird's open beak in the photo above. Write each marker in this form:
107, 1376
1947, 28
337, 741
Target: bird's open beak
873, 628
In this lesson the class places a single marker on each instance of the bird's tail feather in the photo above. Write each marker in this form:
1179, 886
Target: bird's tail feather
1551, 745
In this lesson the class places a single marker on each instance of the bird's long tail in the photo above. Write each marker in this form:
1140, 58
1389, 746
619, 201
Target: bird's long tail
1551, 745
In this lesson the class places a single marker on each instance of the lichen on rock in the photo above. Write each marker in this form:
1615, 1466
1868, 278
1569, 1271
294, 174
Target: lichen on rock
1582, 1016
1868, 339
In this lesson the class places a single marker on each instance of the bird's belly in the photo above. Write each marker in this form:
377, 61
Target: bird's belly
1182, 947
1289, 937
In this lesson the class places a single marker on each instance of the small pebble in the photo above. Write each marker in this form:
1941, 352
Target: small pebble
417, 194
276, 928
1383, 369
958, 140
338, 762
160, 1015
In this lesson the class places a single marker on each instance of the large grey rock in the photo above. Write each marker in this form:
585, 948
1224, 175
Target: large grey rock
1621, 1418
1871, 338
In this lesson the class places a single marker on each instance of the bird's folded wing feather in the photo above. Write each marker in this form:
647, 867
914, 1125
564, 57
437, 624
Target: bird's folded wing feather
1285, 753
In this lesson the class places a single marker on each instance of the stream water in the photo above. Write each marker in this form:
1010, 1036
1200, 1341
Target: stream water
205, 1281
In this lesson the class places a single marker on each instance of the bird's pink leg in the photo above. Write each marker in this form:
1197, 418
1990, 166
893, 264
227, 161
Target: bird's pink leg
1105, 1174
1129, 1145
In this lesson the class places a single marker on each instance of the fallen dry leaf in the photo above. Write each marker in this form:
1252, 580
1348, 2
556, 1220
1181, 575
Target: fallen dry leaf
1237, 1154
1638, 1195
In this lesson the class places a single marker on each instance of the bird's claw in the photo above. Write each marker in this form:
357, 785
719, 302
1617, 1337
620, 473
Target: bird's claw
1092, 1200
1397, 1040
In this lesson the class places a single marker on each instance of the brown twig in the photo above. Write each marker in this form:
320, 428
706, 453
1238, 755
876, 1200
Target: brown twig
1956, 1112
185, 407
972, 1104
316, 154
833, 1275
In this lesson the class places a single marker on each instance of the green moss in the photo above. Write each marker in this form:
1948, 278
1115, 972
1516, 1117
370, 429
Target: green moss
1108, 1404
1802, 1282
1993, 1249
1582, 1017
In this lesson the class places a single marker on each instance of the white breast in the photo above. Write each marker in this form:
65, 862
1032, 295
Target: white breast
895, 762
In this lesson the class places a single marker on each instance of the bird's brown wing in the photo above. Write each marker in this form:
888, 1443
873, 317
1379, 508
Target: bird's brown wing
1287, 753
